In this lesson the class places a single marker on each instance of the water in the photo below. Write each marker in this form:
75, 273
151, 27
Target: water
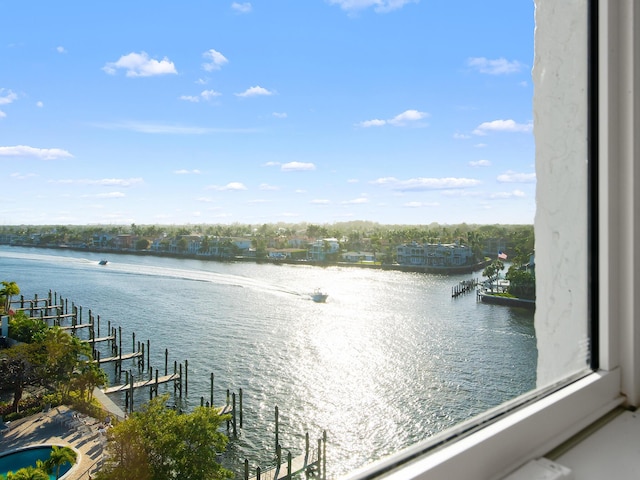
28, 457
389, 360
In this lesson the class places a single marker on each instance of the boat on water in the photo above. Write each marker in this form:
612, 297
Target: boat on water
103, 262
319, 296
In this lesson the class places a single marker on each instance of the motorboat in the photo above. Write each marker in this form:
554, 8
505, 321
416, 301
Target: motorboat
319, 296
103, 262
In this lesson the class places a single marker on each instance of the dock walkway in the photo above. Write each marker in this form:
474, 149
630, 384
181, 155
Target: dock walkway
143, 383
299, 465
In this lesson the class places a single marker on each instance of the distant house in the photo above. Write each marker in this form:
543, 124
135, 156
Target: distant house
359, 257
125, 241
321, 249
434, 254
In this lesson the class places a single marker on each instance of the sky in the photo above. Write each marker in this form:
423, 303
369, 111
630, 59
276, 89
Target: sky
217, 112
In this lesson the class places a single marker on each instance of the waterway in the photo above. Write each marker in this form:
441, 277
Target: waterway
390, 359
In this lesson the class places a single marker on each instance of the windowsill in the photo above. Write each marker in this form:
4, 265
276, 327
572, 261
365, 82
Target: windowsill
609, 449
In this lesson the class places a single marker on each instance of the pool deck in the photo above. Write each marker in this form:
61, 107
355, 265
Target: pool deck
58, 426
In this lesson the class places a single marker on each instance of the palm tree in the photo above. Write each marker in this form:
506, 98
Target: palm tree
9, 289
28, 473
59, 456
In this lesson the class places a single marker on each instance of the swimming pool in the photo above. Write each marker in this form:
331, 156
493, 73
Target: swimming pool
26, 457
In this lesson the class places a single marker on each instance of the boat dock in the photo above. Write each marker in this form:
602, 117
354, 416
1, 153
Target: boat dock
465, 286
311, 463
142, 383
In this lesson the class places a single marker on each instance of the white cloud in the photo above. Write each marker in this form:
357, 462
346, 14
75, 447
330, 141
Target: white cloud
209, 94
480, 163
6, 98
254, 92
515, 193
215, 60
187, 172
356, 201
105, 182
297, 167
2, 114
514, 177
21, 176
233, 186
140, 65
320, 201
204, 95
403, 119
39, 104
380, 6
372, 123
108, 195
421, 204
279, 115
241, 7
502, 126
272, 164
406, 117
461, 136
61, 49
42, 153
421, 184
266, 186
499, 66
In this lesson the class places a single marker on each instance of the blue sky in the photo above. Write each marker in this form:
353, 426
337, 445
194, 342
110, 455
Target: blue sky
218, 112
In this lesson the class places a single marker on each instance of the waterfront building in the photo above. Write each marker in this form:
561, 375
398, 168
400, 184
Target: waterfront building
320, 250
433, 254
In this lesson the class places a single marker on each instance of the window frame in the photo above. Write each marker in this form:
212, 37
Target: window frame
542, 423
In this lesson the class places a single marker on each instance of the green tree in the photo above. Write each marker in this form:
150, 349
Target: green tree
182, 244
8, 290
19, 368
28, 473
160, 444
492, 271
86, 376
61, 354
58, 457
522, 284
25, 329
142, 244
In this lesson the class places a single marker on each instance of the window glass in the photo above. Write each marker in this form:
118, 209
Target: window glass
394, 153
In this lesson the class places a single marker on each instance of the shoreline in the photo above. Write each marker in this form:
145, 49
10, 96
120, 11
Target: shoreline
453, 270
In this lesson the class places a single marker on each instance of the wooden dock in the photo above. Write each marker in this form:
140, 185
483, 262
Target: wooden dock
312, 463
125, 356
110, 338
53, 317
143, 383
76, 327
299, 465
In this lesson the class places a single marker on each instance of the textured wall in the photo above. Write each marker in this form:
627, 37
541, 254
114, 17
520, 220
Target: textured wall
560, 129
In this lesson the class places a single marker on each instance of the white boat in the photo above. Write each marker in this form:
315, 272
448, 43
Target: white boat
319, 296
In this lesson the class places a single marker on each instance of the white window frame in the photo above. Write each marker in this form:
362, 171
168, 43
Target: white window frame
532, 430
